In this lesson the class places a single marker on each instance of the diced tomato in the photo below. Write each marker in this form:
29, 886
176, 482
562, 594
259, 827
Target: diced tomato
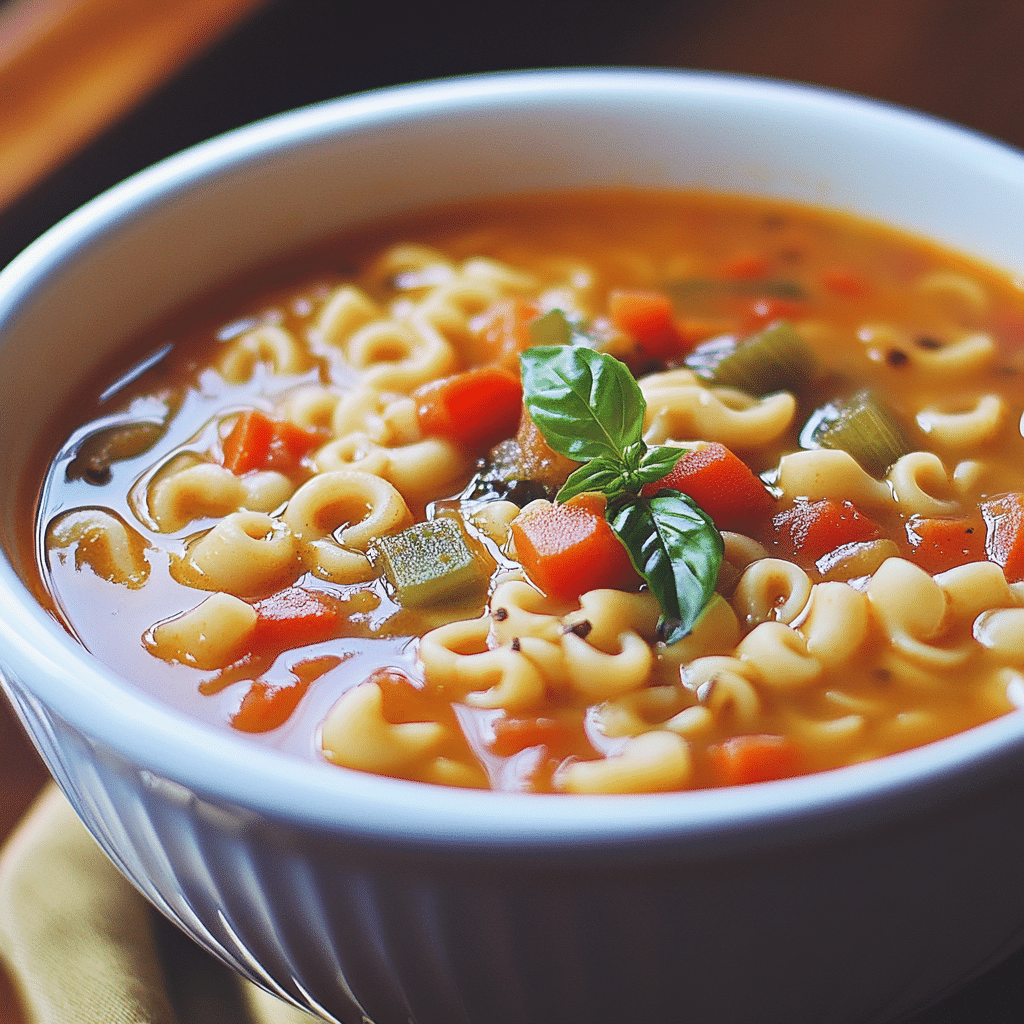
846, 283
569, 549
293, 618
512, 735
647, 317
740, 760
722, 485
1004, 541
503, 331
812, 529
477, 408
258, 442
267, 706
940, 544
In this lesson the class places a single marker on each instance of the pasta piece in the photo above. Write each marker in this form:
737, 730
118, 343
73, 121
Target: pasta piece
396, 356
654, 762
922, 486
311, 406
210, 636
347, 310
972, 589
717, 631
643, 710
965, 429
724, 685
968, 354
270, 345
245, 554
265, 490
519, 610
1001, 631
598, 675
356, 506
771, 589
202, 490
418, 471
104, 542
956, 292
386, 418
836, 624
830, 473
719, 414
355, 734
780, 656
611, 613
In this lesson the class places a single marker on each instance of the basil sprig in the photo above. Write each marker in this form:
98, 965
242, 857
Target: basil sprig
589, 408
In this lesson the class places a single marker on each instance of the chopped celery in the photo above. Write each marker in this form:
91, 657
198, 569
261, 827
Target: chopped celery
862, 426
775, 359
430, 562
551, 329
687, 290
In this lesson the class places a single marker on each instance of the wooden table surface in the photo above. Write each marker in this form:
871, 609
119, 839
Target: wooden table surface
957, 59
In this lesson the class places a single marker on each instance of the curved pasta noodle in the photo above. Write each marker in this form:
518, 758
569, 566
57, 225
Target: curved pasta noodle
395, 356
355, 734
210, 636
642, 710
653, 762
601, 676
611, 613
245, 554
965, 292
836, 623
519, 610
918, 481
358, 507
103, 541
269, 344
311, 406
383, 417
417, 470
780, 656
972, 589
1001, 631
830, 473
967, 354
730, 417
456, 657
967, 428
198, 491
771, 589
911, 607
346, 310
724, 685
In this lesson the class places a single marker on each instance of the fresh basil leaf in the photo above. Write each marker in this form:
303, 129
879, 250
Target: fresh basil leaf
675, 546
658, 462
601, 474
585, 403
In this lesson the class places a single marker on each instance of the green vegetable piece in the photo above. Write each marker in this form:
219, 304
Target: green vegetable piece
551, 329
585, 403
430, 563
775, 359
862, 426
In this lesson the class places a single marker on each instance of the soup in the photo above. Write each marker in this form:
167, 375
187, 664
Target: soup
588, 493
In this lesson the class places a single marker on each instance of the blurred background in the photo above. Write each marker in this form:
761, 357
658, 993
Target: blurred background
94, 90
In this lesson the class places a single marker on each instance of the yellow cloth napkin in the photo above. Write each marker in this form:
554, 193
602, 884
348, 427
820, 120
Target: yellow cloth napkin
83, 947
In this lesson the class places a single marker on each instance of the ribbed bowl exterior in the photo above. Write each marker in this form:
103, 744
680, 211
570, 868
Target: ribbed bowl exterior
862, 927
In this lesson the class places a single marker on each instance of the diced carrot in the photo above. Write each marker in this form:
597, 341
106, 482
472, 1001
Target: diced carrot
1004, 541
746, 266
512, 735
294, 617
647, 318
722, 485
258, 442
812, 529
267, 706
503, 331
846, 283
940, 544
569, 549
740, 760
477, 408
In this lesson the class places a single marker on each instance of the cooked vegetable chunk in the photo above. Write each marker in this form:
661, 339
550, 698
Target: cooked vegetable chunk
862, 426
430, 562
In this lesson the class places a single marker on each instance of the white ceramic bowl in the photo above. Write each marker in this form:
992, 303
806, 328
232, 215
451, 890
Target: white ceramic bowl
854, 895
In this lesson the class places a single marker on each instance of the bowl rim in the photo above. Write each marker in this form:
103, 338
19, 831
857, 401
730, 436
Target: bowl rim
226, 770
